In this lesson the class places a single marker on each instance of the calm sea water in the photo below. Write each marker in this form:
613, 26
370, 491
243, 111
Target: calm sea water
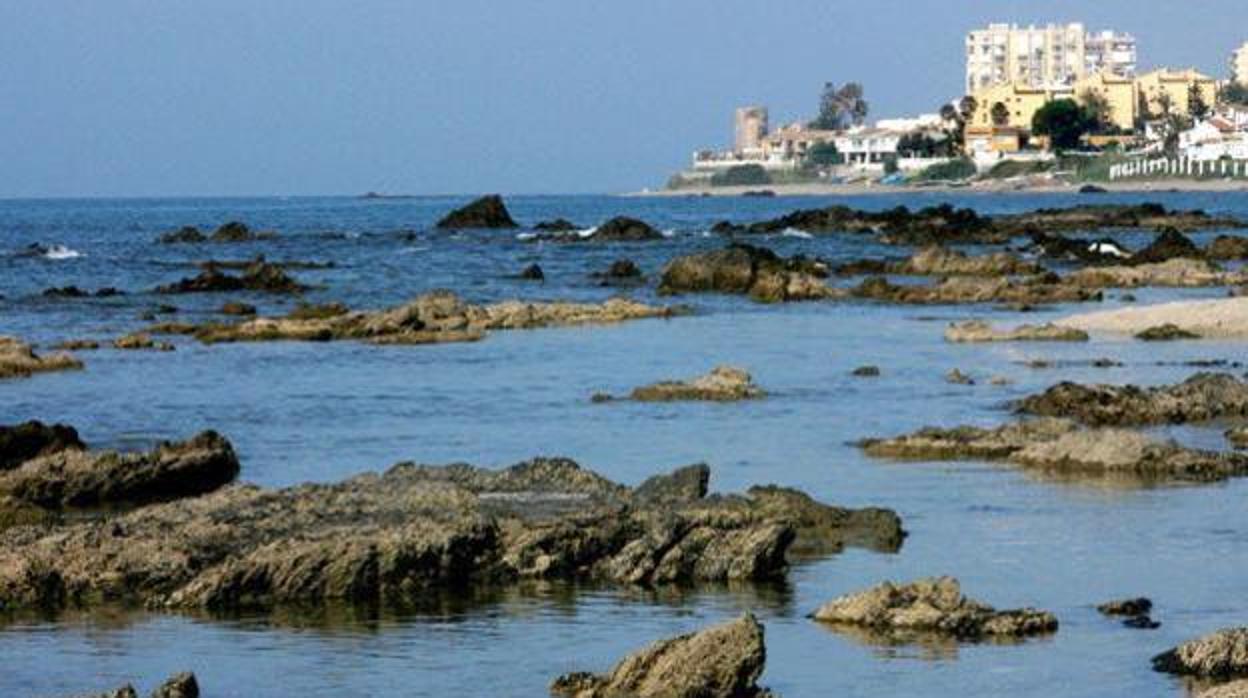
321, 412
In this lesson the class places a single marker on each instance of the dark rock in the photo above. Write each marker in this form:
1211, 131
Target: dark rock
1165, 333
75, 477
957, 377
1127, 607
625, 229
322, 311
141, 340
759, 193
233, 231
183, 685
558, 225
1229, 247
724, 661
187, 233
65, 292
533, 272
867, 371
746, 269
32, 439
681, 486
1169, 244
1092, 189
1203, 397
621, 272
1142, 622
485, 212
416, 530
258, 276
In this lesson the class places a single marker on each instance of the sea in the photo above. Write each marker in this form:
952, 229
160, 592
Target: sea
321, 412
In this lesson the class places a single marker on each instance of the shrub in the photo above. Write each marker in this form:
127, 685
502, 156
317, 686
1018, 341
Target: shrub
741, 175
962, 168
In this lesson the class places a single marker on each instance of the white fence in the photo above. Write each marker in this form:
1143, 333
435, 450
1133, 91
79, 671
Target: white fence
1178, 167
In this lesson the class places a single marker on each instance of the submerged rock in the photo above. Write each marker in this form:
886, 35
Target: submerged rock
237, 308
979, 331
533, 272
957, 377
434, 317
397, 536
1220, 655
722, 384
187, 233
625, 229
180, 686
19, 360
1202, 397
723, 661
866, 371
621, 272
74, 477
934, 605
745, 269
485, 212
1165, 333
77, 345
558, 225
1169, 244
235, 231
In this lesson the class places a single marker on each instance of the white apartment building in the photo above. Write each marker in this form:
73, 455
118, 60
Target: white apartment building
1239, 64
1044, 57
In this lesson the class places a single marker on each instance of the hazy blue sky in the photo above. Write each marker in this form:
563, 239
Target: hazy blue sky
164, 97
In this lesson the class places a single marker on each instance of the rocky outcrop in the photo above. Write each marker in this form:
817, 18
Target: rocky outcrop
413, 530
1032, 290
622, 272
1220, 655
967, 443
935, 260
485, 212
74, 477
1233, 689
723, 661
1059, 447
1177, 273
141, 340
232, 231
722, 384
1120, 453
1169, 244
979, 331
257, 276
1227, 247
745, 269
1165, 333
902, 612
32, 439
180, 686
1144, 216
187, 233
75, 292
1202, 397
1139, 606
623, 229
434, 317
19, 360
533, 272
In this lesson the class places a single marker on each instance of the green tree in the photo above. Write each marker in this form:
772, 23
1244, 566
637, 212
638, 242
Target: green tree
1000, 114
1234, 93
922, 145
839, 108
1097, 107
1197, 107
956, 117
741, 175
823, 154
1064, 122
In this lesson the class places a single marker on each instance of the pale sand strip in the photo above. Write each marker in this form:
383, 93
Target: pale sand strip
1225, 317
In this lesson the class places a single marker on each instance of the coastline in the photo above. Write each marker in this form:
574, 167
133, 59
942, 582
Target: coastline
1004, 186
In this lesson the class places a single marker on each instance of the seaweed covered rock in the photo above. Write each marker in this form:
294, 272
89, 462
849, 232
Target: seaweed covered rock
485, 212
1167, 332
745, 269
1031, 290
1227, 247
723, 661
19, 360
400, 535
722, 384
1219, 655
1202, 397
979, 331
141, 340
966, 442
74, 477
935, 605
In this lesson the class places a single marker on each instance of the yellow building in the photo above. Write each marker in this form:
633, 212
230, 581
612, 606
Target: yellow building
1021, 102
1118, 93
1239, 65
1155, 88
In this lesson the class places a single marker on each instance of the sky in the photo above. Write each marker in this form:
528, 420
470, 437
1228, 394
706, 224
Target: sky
304, 97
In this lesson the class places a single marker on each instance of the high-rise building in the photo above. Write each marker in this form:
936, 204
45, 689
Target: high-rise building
1239, 65
751, 128
1045, 57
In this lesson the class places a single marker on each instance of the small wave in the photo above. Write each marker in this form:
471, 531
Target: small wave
795, 233
526, 237
61, 252
588, 232
668, 233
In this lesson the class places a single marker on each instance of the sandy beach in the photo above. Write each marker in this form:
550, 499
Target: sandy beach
1221, 318
1002, 186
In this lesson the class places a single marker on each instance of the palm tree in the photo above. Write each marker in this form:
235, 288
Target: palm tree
1000, 114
